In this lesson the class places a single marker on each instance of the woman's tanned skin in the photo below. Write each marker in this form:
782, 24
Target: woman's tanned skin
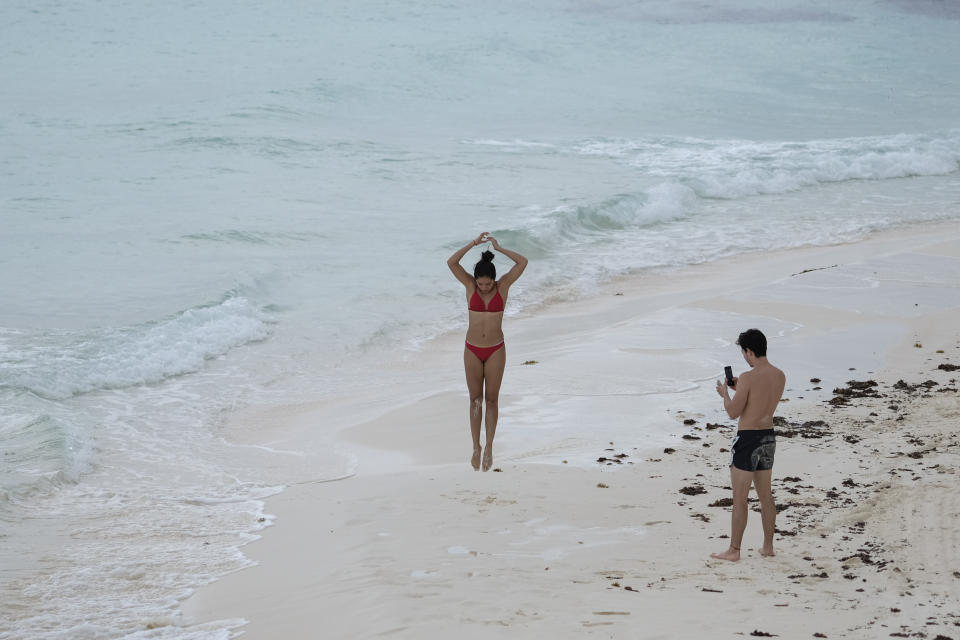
485, 330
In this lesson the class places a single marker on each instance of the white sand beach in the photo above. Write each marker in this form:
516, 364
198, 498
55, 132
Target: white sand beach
597, 520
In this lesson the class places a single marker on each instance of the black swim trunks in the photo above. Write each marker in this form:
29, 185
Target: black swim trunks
753, 449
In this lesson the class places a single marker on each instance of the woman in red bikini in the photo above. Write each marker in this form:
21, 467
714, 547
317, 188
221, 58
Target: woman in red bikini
484, 355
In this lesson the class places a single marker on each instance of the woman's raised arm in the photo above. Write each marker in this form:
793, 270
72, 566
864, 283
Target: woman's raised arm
454, 261
520, 263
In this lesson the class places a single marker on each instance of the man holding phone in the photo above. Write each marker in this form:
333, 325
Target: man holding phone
757, 394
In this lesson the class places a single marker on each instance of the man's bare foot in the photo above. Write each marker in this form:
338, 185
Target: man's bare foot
767, 551
731, 554
488, 457
475, 460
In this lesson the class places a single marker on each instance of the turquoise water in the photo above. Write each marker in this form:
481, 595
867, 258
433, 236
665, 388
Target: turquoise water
217, 205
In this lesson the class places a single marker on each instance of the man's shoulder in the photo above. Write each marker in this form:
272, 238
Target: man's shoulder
767, 371
774, 372
745, 378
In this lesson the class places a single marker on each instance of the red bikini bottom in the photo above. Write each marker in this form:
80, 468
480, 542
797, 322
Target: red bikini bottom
484, 353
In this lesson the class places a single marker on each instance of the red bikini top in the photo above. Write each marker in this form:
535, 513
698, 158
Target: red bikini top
477, 304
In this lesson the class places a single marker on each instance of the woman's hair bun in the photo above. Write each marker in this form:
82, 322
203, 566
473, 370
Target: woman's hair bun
487, 256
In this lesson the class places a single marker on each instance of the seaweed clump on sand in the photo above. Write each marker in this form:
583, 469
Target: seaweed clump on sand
722, 502
854, 389
906, 387
808, 429
616, 459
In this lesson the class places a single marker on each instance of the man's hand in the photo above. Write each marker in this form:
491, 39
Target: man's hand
723, 389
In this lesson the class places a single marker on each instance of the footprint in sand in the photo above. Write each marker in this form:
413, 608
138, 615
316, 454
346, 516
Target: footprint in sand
460, 551
423, 573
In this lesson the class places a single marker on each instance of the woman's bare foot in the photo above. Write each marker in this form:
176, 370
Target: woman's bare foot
488, 457
732, 554
767, 551
475, 460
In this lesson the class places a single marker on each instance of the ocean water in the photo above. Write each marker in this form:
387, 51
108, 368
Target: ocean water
211, 206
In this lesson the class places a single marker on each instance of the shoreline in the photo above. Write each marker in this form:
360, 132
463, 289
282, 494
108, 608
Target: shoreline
620, 300
416, 531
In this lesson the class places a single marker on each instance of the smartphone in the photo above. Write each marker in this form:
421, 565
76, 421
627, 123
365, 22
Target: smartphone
728, 372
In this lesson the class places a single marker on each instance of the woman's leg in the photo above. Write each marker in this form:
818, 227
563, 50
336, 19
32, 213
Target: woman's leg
474, 370
492, 377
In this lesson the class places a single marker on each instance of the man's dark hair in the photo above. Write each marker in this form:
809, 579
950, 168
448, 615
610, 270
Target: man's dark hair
485, 268
754, 340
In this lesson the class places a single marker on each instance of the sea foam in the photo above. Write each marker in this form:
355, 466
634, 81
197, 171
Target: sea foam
61, 364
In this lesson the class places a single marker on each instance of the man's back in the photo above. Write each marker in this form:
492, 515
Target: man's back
764, 387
